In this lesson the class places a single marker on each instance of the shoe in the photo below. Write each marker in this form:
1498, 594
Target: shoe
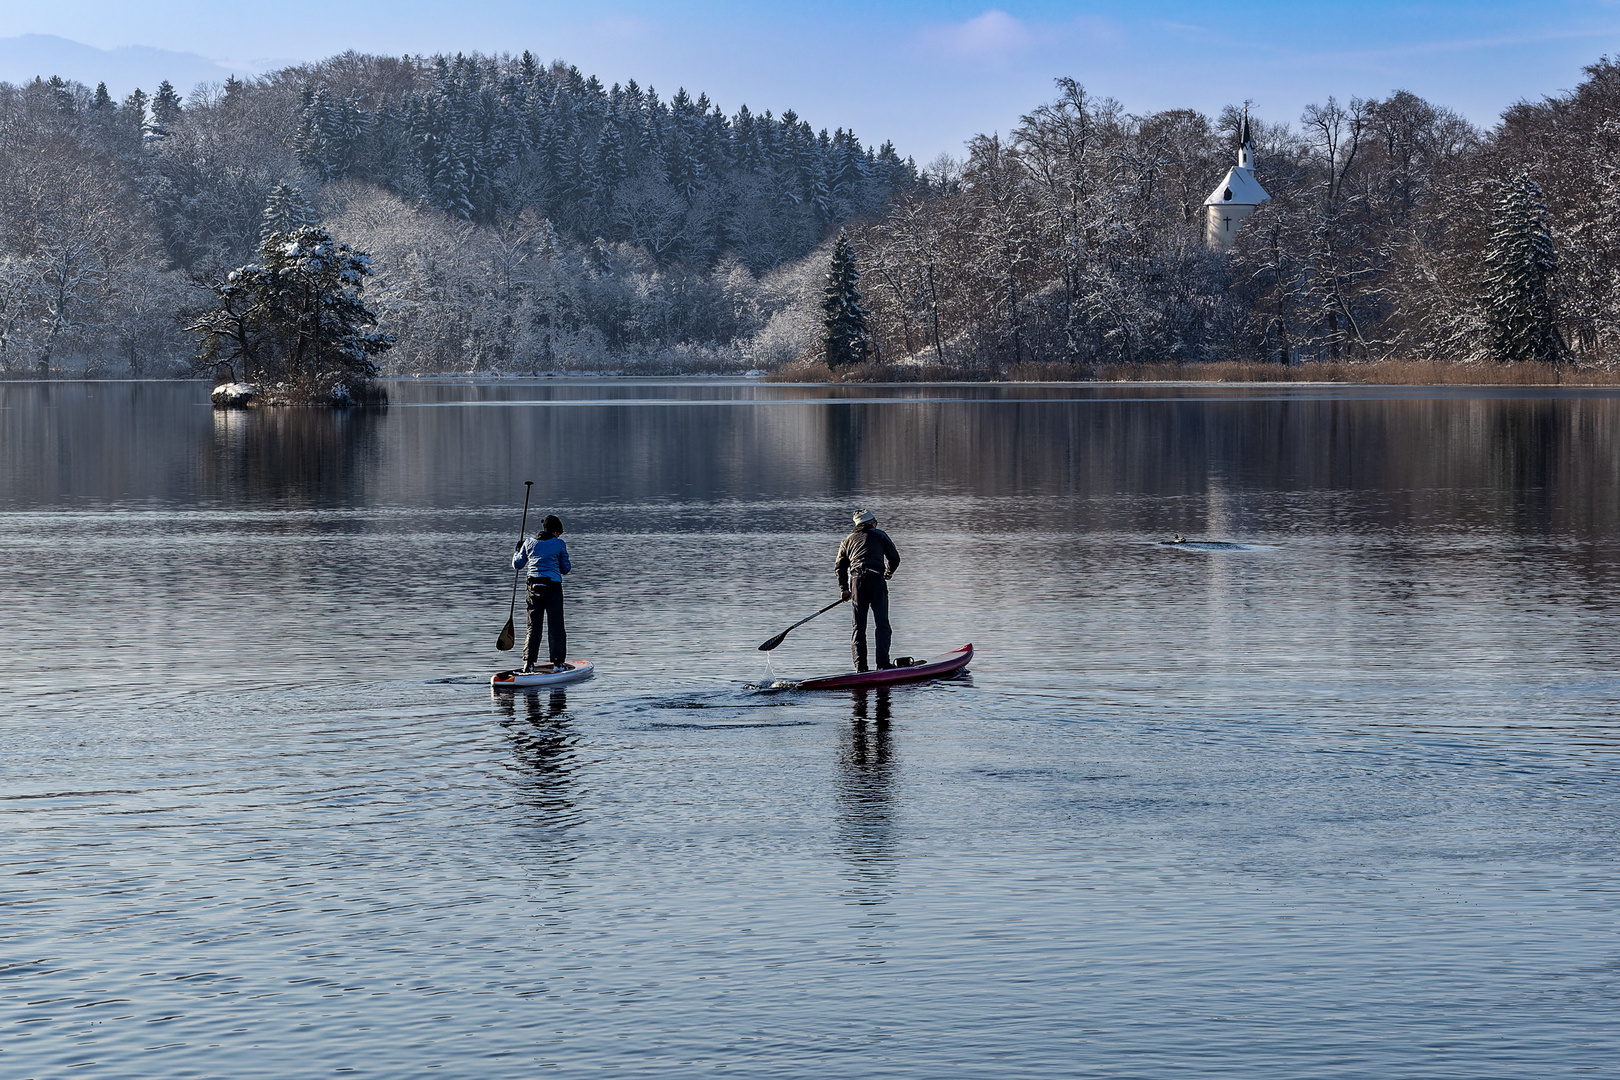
559, 666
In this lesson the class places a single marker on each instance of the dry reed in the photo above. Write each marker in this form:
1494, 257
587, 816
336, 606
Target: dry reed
1386, 372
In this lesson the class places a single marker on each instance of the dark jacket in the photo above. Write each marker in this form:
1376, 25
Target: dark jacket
866, 550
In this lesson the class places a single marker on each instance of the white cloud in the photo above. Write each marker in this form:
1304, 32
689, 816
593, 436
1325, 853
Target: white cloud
993, 36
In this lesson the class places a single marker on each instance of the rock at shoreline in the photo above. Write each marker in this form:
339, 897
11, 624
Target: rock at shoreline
234, 395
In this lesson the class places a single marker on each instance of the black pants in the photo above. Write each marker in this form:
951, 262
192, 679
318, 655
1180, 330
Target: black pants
545, 603
871, 593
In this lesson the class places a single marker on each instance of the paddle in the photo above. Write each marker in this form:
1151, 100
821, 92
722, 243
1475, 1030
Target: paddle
509, 631
777, 640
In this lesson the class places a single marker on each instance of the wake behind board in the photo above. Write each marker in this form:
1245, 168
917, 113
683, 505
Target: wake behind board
943, 666
517, 680
1182, 543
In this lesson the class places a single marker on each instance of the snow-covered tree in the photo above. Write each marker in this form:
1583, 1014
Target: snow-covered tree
62, 95
1521, 268
286, 211
132, 113
166, 108
329, 130
296, 317
843, 324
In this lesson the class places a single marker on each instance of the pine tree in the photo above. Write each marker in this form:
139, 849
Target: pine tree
103, 102
843, 323
296, 317
583, 176
1520, 270
328, 130
165, 108
62, 95
610, 166
286, 211
132, 113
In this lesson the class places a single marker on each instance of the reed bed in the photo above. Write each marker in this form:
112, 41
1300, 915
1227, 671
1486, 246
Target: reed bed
1385, 372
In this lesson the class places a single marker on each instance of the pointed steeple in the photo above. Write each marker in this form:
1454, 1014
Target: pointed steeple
1236, 197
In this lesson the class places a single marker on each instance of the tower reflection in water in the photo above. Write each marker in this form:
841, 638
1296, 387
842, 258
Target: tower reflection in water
865, 797
544, 761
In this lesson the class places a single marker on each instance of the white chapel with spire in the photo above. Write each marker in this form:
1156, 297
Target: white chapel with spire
1234, 198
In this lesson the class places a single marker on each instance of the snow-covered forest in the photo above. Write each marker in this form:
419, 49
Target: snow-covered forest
519, 217
1396, 230
525, 218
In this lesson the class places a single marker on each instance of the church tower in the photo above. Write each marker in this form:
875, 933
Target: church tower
1234, 198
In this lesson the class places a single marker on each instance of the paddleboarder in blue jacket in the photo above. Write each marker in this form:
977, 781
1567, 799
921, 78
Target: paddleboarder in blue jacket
867, 560
546, 557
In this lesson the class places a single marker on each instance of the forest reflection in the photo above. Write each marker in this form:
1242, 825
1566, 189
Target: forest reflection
1536, 464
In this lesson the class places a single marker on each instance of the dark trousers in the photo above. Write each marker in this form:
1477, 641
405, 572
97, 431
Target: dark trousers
870, 593
545, 603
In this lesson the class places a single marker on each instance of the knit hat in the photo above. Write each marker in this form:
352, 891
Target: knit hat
865, 517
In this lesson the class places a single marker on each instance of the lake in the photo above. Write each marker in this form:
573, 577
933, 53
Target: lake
1337, 800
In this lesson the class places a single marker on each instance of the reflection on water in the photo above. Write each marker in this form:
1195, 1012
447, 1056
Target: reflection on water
866, 793
1532, 464
293, 455
1338, 800
543, 752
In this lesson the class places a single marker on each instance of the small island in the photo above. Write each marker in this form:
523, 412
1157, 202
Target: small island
295, 324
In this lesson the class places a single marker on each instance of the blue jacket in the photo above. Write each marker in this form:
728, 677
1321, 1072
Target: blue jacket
545, 558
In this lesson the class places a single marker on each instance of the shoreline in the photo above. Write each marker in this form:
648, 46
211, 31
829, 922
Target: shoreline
1611, 382
741, 380
1436, 374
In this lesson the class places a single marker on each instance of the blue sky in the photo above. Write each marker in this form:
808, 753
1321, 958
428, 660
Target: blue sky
927, 75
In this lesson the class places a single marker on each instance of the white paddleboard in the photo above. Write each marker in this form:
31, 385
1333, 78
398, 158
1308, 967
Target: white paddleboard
515, 680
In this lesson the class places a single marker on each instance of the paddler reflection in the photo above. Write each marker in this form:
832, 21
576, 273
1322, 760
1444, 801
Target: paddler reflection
865, 796
543, 748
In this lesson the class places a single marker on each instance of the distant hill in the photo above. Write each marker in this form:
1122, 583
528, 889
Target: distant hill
28, 56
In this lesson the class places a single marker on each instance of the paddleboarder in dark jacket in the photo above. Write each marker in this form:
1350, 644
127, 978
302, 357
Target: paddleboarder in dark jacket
546, 557
866, 561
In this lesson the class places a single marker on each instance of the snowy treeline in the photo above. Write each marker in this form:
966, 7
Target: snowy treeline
1396, 230
520, 216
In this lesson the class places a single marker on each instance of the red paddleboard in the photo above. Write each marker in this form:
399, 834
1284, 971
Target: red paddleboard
940, 667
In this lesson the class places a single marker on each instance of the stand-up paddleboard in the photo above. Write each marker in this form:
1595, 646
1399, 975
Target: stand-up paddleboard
516, 680
943, 666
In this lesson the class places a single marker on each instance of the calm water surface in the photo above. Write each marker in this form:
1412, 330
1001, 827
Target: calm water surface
1341, 802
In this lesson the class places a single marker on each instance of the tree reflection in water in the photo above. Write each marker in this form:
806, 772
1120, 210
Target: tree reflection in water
303, 455
865, 797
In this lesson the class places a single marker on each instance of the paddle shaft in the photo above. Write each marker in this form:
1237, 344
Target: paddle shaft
510, 630
777, 640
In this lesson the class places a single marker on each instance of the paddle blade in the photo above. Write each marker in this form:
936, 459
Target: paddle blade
508, 636
774, 642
